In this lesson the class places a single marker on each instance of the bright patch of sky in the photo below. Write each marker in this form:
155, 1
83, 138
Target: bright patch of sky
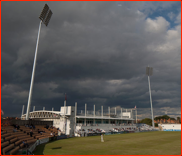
170, 13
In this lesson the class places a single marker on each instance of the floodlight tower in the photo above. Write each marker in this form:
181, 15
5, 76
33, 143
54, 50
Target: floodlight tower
149, 72
45, 17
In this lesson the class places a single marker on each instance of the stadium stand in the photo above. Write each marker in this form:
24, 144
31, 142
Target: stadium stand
12, 142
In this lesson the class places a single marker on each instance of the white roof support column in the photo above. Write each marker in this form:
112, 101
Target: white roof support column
136, 115
22, 109
85, 109
64, 108
94, 110
52, 108
121, 113
109, 114
64, 129
85, 114
126, 110
43, 108
102, 110
75, 114
33, 108
131, 114
115, 110
102, 114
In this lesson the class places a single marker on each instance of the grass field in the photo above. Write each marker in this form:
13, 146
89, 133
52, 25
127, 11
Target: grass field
146, 143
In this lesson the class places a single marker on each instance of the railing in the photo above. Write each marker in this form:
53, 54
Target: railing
99, 114
123, 124
104, 116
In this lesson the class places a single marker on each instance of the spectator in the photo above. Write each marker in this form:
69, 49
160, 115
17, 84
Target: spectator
25, 143
51, 133
31, 133
14, 130
18, 127
47, 126
33, 126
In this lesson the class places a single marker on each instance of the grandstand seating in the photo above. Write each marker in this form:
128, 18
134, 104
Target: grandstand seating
9, 138
11, 141
18, 142
7, 148
15, 150
4, 144
5, 135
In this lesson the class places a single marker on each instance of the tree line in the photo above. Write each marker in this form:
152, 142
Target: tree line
148, 121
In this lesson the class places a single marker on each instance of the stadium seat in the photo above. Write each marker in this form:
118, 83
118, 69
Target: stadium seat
13, 140
5, 135
6, 149
31, 141
18, 135
2, 140
9, 138
31, 138
14, 151
18, 142
21, 145
21, 134
37, 136
24, 137
4, 144
43, 137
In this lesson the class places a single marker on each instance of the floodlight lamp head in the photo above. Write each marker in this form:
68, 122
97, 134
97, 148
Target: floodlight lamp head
44, 12
45, 15
48, 17
149, 71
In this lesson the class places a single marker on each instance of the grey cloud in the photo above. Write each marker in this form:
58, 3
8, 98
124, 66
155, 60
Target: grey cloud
96, 52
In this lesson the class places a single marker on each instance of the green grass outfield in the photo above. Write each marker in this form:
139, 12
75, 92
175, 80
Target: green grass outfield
146, 143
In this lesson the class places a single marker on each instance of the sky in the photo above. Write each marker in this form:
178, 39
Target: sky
95, 52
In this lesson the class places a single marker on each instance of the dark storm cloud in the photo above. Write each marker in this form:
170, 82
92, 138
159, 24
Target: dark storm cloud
96, 52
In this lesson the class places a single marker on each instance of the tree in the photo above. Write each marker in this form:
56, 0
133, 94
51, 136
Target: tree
156, 124
162, 117
172, 118
147, 121
165, 117
179, 119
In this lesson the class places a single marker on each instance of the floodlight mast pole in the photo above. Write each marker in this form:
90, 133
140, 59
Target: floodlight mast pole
45, 17
150, 73
33, 74
151, 102
136, 114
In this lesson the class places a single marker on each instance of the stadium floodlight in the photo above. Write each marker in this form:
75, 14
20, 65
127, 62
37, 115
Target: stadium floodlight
45, 18
149, 72
48, 17
44, 12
